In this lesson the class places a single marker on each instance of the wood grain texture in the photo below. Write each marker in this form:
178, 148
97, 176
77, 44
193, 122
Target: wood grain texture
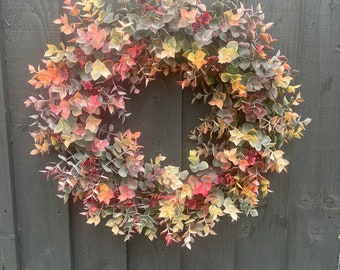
314, 201
95, 247
212, 252
157, 113
42, 218
298, 226
262, 242
8, 227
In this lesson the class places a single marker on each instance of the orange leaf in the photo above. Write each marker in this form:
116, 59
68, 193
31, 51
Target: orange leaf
217, 102
34, 152
66, 28
187, 17
92, 123
243, 165
105, 194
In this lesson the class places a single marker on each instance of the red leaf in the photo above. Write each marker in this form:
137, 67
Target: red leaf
191, 204
92, 104
202, 188
99, 145
126, 193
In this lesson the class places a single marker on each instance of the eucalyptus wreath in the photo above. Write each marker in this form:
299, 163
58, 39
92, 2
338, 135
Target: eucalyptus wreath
224, 55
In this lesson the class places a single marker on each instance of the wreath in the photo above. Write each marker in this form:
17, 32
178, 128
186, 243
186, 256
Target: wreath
224, 55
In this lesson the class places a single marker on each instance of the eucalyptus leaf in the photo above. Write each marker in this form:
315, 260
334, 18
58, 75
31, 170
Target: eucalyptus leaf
123, 172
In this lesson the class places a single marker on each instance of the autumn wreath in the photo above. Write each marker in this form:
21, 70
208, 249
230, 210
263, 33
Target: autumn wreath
222, 55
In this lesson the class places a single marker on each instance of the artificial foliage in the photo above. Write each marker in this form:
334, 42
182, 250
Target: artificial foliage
224, 55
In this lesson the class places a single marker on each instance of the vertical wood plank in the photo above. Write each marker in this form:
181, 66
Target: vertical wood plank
262, 242
212, 252
314, 202
241, 244
270, 231
95, 247
42, 217
157, 113
9, 258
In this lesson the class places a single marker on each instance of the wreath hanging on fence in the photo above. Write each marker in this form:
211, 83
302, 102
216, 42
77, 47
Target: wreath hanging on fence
222, 55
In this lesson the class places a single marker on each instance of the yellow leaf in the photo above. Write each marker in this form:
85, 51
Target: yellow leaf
197, 58
232, 18
218, 100
170, 47
215, 211
68, 139
99, 69
105, 194
52, 49
236, 136
93, 220
226, 55
167, 211
279, 162
239, 88
194, 157
231, 155
186, 191
252, 139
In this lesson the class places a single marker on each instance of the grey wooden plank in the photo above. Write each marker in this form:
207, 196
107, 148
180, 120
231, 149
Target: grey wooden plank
314, 202
8, 231
262, 242
95, 247
42, 217
157, 114
212, 252
241, 244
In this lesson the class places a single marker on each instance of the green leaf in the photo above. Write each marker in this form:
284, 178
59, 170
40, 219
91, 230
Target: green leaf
244, 52
225, 77
123, 172
231, 209
245, 63
199, 167
233, 44
63, 126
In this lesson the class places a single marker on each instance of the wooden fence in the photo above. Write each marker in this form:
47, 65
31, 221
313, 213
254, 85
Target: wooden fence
298, 227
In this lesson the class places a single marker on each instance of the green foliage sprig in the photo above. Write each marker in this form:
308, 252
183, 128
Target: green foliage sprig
222, 55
